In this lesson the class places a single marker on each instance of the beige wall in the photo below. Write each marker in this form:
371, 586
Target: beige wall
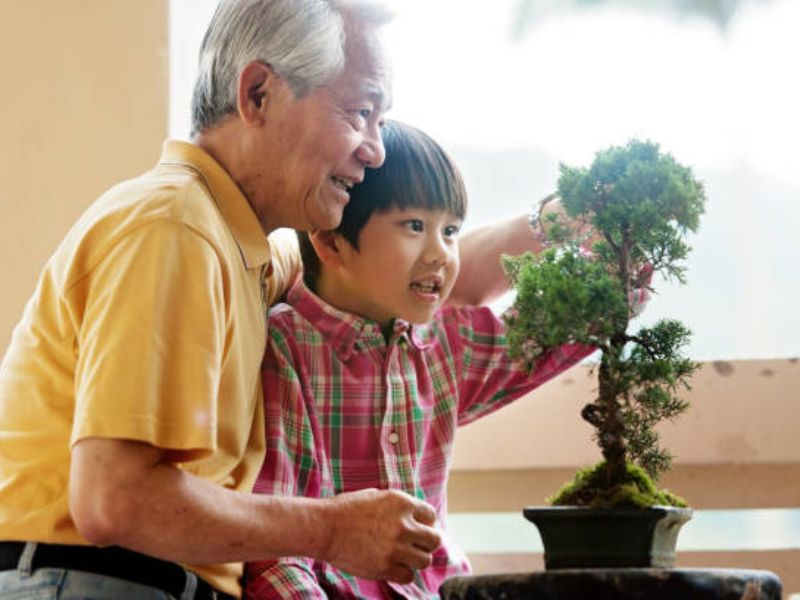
735, 448
84, 104
741, 411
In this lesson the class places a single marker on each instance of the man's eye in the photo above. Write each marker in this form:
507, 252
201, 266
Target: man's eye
362, 114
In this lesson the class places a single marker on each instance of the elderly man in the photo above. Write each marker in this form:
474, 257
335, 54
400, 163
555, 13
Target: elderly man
131, 424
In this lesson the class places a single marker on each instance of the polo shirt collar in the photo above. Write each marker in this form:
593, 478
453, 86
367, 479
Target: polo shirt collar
343, 330
230, 200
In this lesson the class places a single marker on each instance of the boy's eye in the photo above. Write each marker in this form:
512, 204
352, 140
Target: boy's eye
451, 230
414, 225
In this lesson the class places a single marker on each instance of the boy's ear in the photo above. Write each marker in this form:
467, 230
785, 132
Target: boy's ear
327, 244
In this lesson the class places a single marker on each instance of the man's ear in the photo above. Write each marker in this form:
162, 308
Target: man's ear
329, 246
255, 82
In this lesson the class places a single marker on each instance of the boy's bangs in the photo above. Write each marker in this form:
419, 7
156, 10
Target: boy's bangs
423, 176
417, 173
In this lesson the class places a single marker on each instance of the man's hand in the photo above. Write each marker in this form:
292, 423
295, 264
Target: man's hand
381, 534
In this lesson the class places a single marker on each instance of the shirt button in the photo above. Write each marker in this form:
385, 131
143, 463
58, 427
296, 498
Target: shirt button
393, 438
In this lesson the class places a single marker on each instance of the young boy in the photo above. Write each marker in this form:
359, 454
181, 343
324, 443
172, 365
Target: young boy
368, 372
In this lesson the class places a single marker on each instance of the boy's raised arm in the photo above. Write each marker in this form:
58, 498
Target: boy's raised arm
481, 279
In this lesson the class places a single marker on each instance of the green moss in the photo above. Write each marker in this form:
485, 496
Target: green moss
637, 490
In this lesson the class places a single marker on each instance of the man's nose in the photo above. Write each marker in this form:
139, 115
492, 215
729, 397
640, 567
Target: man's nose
372, 152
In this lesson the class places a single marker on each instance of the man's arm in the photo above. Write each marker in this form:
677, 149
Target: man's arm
124, 493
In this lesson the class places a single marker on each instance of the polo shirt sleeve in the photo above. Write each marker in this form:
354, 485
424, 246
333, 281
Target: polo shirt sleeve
151, 331
286, 264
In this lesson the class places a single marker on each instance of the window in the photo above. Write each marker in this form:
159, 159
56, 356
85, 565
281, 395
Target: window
509, 108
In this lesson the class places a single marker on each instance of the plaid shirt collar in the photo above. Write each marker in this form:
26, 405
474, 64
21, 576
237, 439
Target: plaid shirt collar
344, 330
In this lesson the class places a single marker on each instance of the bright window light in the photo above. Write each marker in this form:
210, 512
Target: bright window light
509, 109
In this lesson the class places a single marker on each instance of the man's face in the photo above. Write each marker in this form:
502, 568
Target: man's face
314, 148
405, 266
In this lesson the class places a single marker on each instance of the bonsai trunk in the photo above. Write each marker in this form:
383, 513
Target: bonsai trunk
611, 435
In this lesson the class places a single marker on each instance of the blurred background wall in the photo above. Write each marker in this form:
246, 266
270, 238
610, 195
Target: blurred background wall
84, 104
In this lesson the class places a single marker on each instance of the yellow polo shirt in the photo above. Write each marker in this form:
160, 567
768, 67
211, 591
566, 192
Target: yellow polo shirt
148, 323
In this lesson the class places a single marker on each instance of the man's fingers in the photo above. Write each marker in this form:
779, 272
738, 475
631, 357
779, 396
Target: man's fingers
384, 534
415, 558
409, 561
400, 574
424, 513
425, 538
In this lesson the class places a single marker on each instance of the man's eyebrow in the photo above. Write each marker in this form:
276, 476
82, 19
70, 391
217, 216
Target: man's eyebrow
377, 94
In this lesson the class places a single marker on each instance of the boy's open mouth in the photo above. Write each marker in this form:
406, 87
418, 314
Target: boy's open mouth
427, 288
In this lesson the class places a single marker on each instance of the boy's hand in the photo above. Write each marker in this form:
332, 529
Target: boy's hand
640, 294
381, 534
553, 226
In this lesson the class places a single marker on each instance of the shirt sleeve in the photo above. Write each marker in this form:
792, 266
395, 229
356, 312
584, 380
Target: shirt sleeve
489, 378
291, 466
286, 264
151, 322
283, 578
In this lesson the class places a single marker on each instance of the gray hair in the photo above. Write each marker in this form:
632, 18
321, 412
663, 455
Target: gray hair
302, 41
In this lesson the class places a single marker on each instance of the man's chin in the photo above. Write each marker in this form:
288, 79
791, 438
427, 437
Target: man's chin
329, 221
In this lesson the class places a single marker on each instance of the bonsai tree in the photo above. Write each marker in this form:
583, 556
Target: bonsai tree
640, 204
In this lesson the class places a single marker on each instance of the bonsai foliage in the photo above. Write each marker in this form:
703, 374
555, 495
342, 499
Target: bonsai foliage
641, 203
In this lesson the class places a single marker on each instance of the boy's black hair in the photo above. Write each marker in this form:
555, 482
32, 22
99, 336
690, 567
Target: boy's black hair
417, 173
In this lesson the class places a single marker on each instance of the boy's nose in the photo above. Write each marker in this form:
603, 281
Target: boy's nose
436, 251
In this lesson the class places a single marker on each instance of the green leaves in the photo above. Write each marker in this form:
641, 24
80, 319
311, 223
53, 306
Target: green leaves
562, 297
640, 200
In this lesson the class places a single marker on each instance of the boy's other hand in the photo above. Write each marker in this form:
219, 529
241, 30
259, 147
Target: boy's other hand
381, 534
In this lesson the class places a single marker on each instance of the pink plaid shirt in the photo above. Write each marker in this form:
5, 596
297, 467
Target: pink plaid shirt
347, 410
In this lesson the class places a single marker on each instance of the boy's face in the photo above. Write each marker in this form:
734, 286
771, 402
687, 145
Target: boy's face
405, 267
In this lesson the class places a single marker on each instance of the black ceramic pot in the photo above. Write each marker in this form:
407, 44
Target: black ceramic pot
582, 537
